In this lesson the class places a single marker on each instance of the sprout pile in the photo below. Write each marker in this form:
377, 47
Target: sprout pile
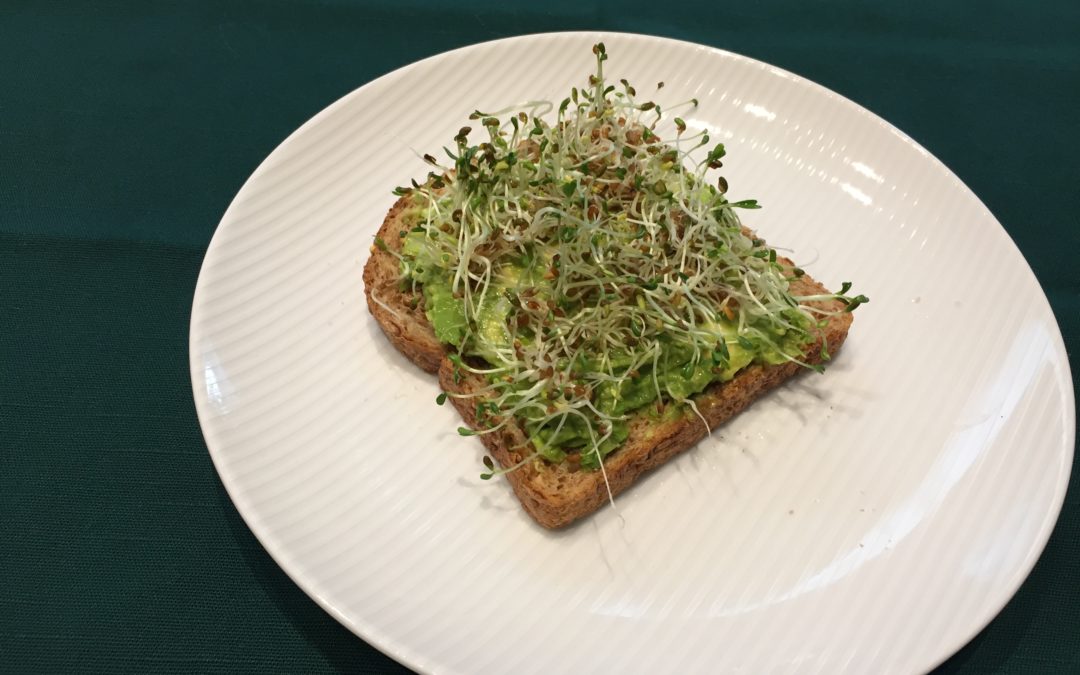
588, 270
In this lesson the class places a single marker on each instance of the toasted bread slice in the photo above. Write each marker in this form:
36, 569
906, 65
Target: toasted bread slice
557, 495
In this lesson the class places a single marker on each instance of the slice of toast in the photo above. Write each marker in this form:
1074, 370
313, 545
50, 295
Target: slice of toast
556, 495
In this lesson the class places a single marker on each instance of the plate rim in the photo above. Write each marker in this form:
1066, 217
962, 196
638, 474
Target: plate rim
368, 630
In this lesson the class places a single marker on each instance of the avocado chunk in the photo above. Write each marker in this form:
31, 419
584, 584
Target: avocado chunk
445, 312
493, 340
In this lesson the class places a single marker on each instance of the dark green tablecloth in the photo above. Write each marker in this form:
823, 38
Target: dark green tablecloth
126, 129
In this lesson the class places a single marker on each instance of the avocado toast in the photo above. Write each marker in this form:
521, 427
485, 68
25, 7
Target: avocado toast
591, 302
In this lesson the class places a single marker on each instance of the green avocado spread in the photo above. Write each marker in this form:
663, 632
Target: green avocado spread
675, 374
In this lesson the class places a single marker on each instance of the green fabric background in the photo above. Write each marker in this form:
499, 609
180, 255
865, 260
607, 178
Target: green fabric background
125, 129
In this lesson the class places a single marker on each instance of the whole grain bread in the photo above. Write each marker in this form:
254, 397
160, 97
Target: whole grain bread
557, 495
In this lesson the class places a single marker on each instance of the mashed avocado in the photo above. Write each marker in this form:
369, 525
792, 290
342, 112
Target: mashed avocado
676, 373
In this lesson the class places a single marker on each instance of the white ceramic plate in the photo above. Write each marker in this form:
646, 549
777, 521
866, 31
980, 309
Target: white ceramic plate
872, 519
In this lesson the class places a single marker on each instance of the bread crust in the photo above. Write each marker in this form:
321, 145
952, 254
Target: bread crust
399, 312
557, 495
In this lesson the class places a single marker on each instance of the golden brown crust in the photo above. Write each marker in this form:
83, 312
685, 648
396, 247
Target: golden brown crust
555, 495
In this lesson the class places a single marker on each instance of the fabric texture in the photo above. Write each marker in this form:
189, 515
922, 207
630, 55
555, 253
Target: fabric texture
126, 128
